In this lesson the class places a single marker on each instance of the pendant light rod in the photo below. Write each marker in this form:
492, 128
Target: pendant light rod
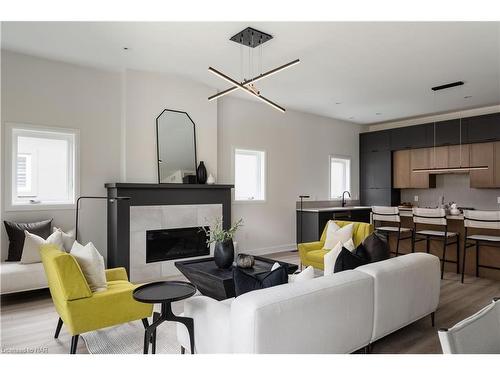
246, 89
255, 79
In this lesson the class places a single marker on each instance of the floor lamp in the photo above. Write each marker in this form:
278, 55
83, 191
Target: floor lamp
111, 200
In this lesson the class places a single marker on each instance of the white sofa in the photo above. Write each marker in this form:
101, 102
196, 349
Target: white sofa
340, 313
16, 277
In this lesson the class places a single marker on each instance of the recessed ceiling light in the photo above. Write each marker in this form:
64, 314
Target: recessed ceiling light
467, 96
378, 113
125, 48
338, 102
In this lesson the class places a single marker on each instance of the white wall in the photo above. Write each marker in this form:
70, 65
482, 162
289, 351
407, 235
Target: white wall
115, 113
147, 95
45, 92
297, 146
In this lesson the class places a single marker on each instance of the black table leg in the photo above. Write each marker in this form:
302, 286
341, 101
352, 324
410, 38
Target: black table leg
166, 315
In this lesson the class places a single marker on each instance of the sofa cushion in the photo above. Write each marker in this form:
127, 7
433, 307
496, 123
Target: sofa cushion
376, 248
346, 260
15, 232
17, 277
244, 282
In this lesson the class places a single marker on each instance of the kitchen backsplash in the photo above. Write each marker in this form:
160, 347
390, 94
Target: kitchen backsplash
454, 188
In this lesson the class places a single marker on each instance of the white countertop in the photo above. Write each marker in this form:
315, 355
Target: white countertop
336, 208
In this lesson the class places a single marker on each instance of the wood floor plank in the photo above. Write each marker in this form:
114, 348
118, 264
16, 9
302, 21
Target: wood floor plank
28, 320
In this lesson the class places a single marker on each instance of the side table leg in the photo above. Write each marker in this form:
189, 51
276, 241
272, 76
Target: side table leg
146, 341
188, 322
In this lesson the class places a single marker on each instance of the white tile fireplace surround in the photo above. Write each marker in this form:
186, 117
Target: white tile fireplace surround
144, 218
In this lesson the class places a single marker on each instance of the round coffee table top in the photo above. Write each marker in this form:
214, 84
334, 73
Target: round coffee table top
164, 291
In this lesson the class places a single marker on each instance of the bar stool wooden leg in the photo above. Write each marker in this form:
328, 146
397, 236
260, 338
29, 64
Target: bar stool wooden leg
477, 258
397, 243
458, 254
427, 245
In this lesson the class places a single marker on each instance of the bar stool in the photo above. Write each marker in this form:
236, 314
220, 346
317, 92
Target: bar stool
480, 220
437, 217
391, 214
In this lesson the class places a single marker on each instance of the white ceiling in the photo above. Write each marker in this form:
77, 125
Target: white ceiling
377, 71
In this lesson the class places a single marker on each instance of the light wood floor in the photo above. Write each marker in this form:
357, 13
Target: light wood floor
28, 320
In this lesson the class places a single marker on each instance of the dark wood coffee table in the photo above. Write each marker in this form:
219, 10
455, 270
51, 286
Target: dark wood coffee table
218, 283
164, 292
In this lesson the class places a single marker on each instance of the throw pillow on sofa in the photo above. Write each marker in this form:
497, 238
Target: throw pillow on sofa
245, 282
330, 258
32, 243
15, 232
67, 237
347, 260
306, 274
376, 248
336, 234
92, 265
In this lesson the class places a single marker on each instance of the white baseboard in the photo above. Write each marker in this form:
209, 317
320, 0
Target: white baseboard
271, 249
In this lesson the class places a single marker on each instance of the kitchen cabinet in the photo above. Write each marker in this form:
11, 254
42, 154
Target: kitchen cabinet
411, 137
376, 169
375, 141
380, 197
401, 169
419, 159
482, 154
496, 172
458, 157
438, 157
482, 128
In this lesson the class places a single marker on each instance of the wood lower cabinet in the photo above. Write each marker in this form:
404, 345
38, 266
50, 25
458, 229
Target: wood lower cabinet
483, 154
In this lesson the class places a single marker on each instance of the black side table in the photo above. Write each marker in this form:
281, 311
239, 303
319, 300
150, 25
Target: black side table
165, 292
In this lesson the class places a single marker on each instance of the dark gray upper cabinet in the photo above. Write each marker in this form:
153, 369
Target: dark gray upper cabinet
485, 128
380, 197
376, 169
375, 141
448, 133
411, 137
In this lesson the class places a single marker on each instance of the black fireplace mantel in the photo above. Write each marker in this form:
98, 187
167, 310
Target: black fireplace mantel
151, 195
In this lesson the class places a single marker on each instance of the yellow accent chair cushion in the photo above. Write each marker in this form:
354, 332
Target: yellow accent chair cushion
80, 309
312, 253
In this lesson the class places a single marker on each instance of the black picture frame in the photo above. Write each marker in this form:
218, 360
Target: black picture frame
158, 160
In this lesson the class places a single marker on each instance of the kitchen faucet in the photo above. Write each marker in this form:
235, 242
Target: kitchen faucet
343, 199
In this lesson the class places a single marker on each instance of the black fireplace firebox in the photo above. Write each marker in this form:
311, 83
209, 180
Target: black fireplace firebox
177, 243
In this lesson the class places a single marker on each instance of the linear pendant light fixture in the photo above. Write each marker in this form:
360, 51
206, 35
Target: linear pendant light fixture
251, 38
458, 169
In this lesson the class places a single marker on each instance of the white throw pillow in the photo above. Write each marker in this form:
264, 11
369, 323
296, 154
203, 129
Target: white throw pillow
67, 237
330, 258
92, 265
336, 234
32, 243
306, 274
349, 245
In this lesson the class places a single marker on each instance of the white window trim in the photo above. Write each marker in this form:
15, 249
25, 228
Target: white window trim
266, 179
9, 175
338, 156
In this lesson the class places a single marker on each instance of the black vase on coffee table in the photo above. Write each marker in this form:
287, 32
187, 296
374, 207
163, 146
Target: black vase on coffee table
224, 253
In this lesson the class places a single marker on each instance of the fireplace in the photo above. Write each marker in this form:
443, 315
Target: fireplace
176, 243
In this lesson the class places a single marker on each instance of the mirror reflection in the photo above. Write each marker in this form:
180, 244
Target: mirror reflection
176, 146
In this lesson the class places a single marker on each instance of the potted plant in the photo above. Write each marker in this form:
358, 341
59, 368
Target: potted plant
223, 239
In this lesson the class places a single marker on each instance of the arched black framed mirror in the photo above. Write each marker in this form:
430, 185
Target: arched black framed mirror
176, 146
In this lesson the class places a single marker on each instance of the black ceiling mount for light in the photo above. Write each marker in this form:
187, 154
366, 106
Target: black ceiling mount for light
251, 37
447, 86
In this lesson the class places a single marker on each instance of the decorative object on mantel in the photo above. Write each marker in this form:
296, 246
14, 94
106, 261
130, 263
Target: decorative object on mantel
460, 168
176, 146
211, 179
201, 173
245, 261
251, 38
189, 179
223, 239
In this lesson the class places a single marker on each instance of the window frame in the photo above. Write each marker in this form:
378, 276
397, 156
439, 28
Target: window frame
11, 165
264, 175
337, 156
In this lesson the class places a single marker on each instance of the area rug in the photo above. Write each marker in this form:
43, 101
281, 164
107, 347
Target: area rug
128, 338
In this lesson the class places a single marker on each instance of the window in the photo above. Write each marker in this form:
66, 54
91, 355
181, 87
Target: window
249, 175
340, 176
43, 164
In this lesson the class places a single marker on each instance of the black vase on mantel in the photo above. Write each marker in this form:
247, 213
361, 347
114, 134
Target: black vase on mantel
201, 173
224, 253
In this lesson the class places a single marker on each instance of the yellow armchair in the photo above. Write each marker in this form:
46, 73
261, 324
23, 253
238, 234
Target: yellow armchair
312, 253
79, 308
